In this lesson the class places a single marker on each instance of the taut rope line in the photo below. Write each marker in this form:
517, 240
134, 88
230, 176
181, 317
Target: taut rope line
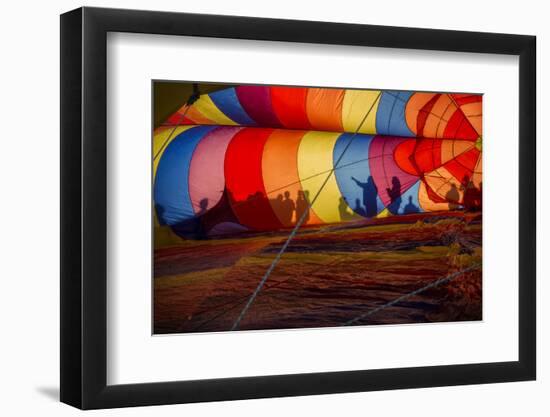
437, 282
298, 224
192, 98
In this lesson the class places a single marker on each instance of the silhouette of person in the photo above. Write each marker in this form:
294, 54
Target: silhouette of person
257, 200
277, 203
395, 195
479, 200
343, 209
253, 203
470, 193
410, 208
359, 209
203, 205
302, 206
200, 229
369, 195
452, 197
287, 209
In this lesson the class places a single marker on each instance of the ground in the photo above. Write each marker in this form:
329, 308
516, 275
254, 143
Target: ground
328, 276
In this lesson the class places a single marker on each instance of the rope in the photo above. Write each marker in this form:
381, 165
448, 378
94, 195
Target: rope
437, 282
192, 98
235, 303
165, 143
298, 224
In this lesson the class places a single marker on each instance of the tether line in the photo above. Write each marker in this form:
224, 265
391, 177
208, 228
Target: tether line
172, 132
192, 98
299, 223
437, 282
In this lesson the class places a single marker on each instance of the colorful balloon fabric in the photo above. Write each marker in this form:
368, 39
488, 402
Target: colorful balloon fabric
258, 158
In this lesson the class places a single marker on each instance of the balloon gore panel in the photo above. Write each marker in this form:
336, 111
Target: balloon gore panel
259, 158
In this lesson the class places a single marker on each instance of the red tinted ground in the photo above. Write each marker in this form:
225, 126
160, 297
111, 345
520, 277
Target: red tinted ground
326, 277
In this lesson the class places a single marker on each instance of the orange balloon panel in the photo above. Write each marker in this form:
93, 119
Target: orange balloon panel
463, 166
445, 185
471, 106
436, 115
280, 175
414, 109
427, 203
197, 117
450, 149
324, 108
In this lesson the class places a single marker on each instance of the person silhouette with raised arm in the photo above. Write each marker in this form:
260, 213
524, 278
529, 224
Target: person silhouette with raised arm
370, 192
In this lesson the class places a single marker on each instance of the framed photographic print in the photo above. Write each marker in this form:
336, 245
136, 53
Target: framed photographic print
257, 208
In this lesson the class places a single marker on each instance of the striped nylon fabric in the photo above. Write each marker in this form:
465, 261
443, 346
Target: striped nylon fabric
215, 179
394, 113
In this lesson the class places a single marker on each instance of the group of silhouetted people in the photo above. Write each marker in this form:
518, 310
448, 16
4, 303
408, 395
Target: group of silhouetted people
462, 196
471, 195
369, 206
285, 207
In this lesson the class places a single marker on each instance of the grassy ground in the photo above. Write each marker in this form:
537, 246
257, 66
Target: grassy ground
326, 277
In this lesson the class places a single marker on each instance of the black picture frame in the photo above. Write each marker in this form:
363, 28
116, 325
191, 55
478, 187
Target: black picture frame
84, 207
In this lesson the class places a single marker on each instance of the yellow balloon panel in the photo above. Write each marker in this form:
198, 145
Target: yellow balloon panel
356, 104
208, 109
315, 164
